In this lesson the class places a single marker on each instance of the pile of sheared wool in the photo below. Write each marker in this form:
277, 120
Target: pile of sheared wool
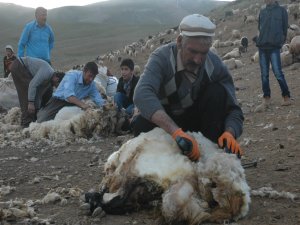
25, 211
16, 209
10, 130
13, 116
151, 168
271, 193
8, 94
5, 190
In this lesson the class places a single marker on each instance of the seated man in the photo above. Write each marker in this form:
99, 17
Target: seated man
75, 86
125, 89
34, 80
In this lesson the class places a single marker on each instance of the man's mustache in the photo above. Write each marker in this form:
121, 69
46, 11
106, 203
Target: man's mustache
191, 63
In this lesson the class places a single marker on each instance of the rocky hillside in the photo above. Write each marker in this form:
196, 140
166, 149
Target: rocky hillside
85, 32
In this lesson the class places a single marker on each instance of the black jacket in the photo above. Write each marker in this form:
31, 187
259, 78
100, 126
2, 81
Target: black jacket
120, 87
272, 26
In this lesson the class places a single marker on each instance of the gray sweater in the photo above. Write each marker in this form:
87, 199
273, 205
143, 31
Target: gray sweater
161, 66
41, 73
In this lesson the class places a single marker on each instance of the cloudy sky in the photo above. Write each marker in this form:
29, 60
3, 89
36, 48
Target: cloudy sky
50, 4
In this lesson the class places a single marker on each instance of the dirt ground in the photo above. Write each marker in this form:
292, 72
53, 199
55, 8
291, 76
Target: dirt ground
271, 137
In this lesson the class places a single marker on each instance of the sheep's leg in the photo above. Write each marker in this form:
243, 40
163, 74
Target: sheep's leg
134, 193
94, 199
122, 119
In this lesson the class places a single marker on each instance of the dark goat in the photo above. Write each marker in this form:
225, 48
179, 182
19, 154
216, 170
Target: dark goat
244, 43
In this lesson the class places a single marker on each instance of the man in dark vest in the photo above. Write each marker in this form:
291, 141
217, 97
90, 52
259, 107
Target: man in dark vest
186, 87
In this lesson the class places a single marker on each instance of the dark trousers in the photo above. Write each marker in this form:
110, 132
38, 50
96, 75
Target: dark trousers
51, 109
22, 78
206, 115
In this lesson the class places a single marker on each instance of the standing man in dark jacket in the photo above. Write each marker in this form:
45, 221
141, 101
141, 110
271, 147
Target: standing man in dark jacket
272, 26
186, 87
125, 89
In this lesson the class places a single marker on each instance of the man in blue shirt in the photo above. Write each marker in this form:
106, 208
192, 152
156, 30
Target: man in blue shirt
75, 86
37, 38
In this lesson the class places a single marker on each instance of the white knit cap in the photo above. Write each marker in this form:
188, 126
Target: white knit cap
197, 25
9, 47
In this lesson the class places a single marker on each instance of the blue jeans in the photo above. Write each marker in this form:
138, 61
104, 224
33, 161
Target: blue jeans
122, 101
267, 56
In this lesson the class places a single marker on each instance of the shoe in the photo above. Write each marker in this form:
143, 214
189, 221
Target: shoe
126, 125
25, 125
286, 101
264, 105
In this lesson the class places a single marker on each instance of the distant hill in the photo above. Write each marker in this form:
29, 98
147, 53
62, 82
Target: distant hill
84, 32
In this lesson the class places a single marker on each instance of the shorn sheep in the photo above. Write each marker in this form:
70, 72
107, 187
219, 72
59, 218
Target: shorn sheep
295, 46
233, 63
150, 168
235, 53
249, 19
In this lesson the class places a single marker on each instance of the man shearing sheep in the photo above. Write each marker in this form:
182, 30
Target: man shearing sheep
34, 80
186, 87
75, 86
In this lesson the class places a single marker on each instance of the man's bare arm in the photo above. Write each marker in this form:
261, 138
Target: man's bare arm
161, 119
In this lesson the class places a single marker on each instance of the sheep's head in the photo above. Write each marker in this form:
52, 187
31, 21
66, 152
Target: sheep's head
226, 190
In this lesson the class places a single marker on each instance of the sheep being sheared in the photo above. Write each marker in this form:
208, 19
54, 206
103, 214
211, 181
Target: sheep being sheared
72, 122
151, 167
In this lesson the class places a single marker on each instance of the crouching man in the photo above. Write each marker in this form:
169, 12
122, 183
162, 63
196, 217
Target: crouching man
75, 86
34, 80
186, 87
